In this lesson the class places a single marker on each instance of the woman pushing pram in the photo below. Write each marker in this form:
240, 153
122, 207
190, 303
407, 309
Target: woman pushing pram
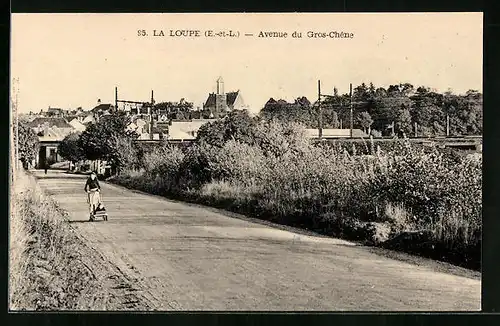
92, 188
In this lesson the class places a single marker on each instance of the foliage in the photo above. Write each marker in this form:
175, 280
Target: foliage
402, 104
365, 120
237, 125
175, 110
69, 148
125, 154
277, 139
27, 144
231, 163
108, 139
403, 121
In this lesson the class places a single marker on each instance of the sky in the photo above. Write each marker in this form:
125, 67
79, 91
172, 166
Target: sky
72, 60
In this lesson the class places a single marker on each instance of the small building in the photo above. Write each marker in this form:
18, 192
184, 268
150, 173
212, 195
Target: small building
101, 109
54, 112
185, 130
50, 131
41, 123
144, 134
77, 125
88, 119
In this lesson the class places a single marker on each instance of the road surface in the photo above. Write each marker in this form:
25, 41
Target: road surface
188, 257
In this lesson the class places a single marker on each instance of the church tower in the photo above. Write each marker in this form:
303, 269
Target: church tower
220, 86
220, 97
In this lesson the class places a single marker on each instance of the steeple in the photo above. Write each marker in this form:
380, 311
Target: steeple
220, 86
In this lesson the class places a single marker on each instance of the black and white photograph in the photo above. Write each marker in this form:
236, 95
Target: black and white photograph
246, 162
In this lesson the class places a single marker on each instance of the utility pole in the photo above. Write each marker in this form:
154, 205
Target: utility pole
447, 125
15, 104
150, 109
320, 122
350, 106
116, 98
139, 104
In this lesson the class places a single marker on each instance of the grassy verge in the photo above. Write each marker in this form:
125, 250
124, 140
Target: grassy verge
50, 268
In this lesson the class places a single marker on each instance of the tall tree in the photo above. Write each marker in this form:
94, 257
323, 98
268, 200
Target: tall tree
27, 144
403, 121
428, 113
70, 148
236, 125
365, 120
101, 140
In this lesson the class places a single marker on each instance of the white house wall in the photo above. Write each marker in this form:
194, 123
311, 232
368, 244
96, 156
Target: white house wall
239, 104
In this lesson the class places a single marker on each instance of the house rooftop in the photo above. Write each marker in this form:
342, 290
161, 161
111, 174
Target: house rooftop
230, 99
102, 107
58, 122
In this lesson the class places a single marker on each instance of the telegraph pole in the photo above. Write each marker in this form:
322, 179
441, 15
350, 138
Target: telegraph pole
350, 106
150, 109
447, 125
320, 122
14, 106
149, 105
116, 98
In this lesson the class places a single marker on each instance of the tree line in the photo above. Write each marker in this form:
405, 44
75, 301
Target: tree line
380, 111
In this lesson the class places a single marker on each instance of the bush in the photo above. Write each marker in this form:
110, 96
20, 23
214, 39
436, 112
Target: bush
279, 138
232, 162
70, 149
237, 125
126, 154
162, 165
429, 184
27, 143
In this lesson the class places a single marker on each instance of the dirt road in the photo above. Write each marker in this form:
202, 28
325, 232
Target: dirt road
188, 257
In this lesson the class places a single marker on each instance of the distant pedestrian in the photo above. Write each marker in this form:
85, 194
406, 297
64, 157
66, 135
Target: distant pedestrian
46, 167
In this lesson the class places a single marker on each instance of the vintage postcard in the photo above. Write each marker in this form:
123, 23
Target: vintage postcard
246, 162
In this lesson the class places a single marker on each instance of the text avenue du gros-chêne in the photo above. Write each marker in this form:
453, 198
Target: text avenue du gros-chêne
309, 34
260, 34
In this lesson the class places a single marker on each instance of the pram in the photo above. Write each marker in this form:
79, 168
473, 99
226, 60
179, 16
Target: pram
98, 210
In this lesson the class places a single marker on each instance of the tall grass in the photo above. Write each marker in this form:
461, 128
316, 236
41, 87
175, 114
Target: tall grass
372, 194
46, 271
